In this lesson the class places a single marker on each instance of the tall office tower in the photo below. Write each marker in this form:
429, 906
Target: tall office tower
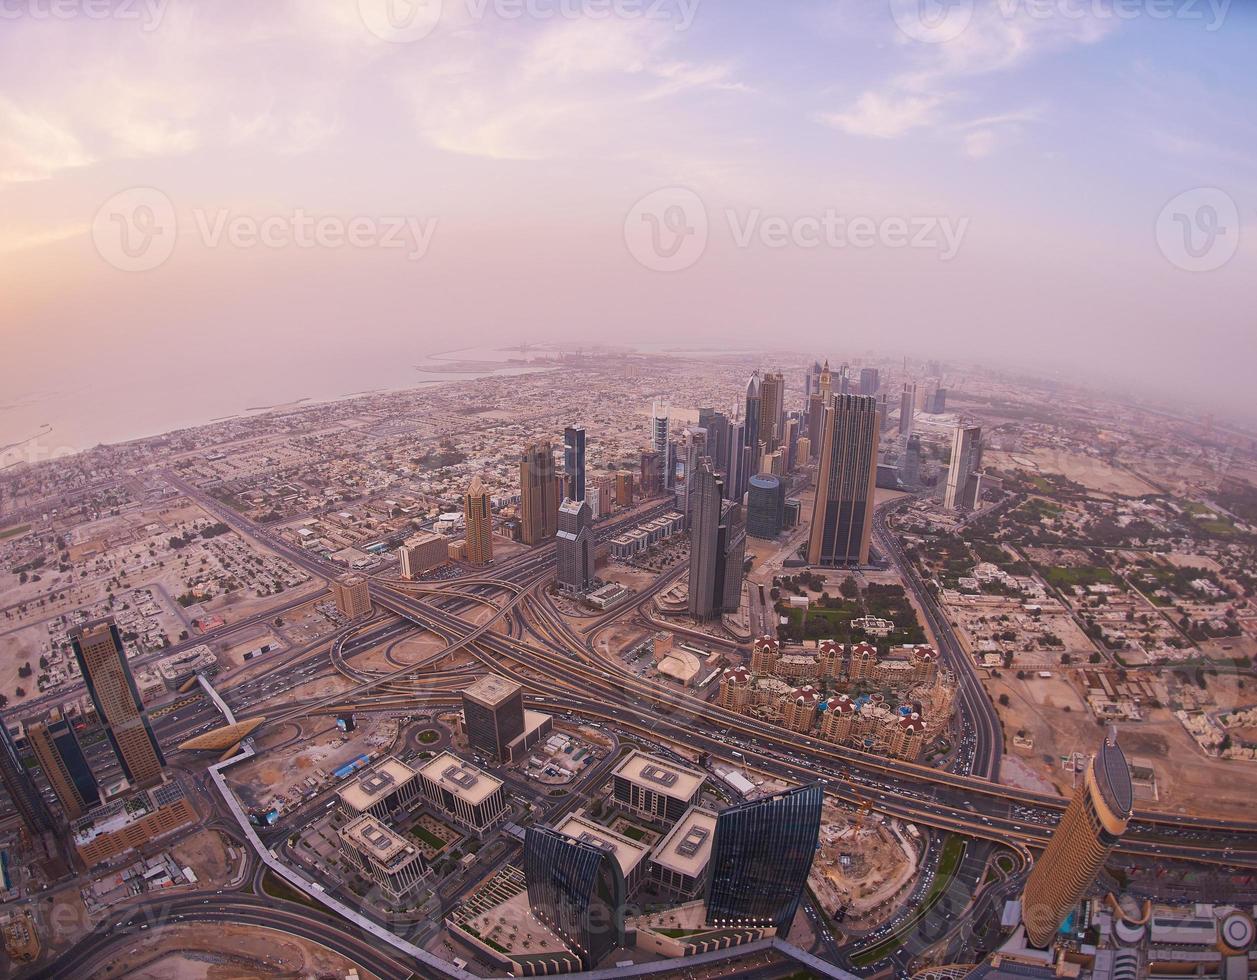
575, 545
753, 437
826, 382
478, 518
933, 368
670, 466
789, 442
353, 595
812, 380
803, 451
772, 394
938, 401
1093, 823
717, 548
538, 493
883, 410
103, 663
624, 489
815, 419
844, 380
910, 472
693, 450
65, 767
660, 442
718, 428
760, 857
765, 506
577, 889
21, 787
651, 480
606, 498
907, 406
493, 715
733, 548
966, 460
735, 462
869, 381
574, 462
842, 517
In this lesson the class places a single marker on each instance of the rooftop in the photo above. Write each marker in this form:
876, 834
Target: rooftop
491, 690
464, 780
627, 852
687, 847
370, 836
365, 789
660, 775
1113, 777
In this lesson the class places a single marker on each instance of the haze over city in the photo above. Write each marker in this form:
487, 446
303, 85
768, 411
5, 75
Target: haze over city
644, 488
522, 137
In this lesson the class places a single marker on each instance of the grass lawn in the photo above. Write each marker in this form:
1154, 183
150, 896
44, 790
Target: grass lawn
1084, 575
428, 737
12, 532
275, 886
633, 833
429, 838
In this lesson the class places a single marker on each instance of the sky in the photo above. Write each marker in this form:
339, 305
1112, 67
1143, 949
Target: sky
215, 197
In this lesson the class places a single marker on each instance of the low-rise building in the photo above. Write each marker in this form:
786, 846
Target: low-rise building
678, 864
469, 796
656, 787
130, 822
387, 786
382, 855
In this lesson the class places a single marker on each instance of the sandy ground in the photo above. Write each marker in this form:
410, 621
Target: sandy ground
1188, 781
212, 952
1091, 473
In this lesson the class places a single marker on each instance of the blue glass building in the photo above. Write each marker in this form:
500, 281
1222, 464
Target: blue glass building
577, 889
760, 859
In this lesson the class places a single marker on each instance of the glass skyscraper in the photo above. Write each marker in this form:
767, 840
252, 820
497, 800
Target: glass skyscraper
577, 889
760, 859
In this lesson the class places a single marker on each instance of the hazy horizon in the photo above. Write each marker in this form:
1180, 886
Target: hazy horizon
1078, 177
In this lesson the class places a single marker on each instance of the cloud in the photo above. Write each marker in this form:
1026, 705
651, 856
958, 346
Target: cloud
884, 115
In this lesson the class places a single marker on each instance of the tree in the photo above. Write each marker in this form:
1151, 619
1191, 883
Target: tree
1004, 700
849, 589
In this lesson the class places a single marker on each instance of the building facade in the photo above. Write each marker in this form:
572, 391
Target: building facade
574, 462
538, 494
656, 787
575, 547
577, 890
765, 506
1092, 825
493, 715
65, 767
467, 795
761, 855
352, 595
962, 470
422, 553
103, 663
21, 787
842, 516
382, 856
478, 518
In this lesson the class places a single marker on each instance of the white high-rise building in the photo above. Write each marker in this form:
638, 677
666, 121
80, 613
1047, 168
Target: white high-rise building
963, 479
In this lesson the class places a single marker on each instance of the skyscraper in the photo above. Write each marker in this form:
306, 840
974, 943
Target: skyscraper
869, 381
826, 382
717, 548
765, 506
760, 859
910, 472
574, 462
842, 517
815, 419
753, 409
65, 767
478, 518
735, 467
493, 714
538, 493
659, 442
907, 406
21, 787
966, 460
772, 393
718, 429
103, 663
692, 451
577, 889
650, 478
1093, 823
352, 594
575, 546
